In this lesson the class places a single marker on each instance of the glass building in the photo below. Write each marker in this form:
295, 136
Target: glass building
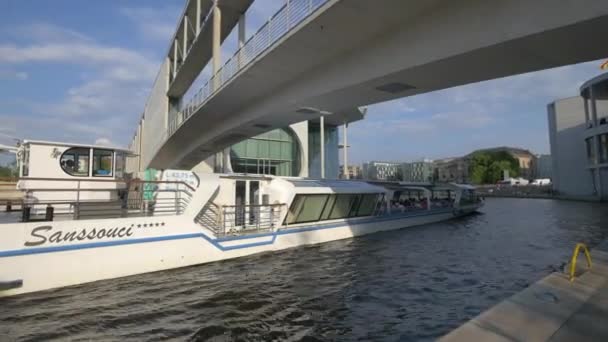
331, 151
273, 153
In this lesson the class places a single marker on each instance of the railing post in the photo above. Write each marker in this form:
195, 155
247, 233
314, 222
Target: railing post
175, 199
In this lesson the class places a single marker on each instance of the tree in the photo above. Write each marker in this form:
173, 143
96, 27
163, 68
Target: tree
9, 170
487, 167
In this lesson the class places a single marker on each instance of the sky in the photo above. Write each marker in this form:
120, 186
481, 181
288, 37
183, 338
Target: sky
81, 71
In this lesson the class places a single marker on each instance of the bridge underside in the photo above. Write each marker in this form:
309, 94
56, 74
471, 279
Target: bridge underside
358, 52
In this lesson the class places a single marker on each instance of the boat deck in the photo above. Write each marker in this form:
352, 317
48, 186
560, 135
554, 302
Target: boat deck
552, 309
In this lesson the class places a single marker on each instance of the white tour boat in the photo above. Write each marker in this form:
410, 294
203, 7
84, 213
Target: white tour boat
84, 220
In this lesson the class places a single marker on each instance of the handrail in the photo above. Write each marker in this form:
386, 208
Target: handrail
577, 250
131, 181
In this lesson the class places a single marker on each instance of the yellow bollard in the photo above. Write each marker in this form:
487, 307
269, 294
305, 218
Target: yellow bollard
577, 250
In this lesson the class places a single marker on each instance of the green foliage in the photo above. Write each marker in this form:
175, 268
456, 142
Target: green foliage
488, 167
9, 171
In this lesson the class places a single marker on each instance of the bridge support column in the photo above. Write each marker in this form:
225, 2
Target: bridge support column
185, 47
198, 17
322, 136
175, 48
242, 38
345, 152
216, 43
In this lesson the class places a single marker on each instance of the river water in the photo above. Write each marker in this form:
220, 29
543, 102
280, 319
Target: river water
414, 284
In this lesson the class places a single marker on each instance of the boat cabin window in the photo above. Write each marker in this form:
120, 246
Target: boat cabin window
75, 161
102, 163
121, 162
319, 207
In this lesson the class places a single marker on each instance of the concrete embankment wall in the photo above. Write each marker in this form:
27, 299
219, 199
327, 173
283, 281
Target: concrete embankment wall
552, 309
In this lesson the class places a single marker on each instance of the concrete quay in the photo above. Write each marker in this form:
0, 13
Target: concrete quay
552, 309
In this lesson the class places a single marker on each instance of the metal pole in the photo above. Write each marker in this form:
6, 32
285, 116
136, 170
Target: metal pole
322, 136
345, 151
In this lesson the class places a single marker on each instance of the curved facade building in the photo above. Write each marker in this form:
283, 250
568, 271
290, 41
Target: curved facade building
578, 133
293, 151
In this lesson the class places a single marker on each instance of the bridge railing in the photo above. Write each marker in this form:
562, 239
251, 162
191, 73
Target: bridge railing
292, 13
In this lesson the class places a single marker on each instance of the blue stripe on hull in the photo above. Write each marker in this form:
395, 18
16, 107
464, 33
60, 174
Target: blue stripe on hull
214, 242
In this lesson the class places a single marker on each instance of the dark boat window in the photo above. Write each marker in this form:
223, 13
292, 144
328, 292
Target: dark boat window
307, 209
102, 163
328, 207
75, 161
342, 207
367, 205
319, 207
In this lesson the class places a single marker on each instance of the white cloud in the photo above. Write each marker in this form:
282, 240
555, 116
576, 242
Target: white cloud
12, 75
110, 98
103, 142
153, 23
45, 32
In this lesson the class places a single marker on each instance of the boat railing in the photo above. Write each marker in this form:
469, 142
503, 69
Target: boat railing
92, 199
225, 220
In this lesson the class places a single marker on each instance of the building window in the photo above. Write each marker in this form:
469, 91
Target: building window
75, 161
272, 153
591, 157
102, 163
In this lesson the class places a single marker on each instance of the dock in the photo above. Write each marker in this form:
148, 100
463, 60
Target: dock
552, 309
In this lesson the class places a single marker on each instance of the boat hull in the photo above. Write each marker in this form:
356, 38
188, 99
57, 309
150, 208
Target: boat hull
48, 255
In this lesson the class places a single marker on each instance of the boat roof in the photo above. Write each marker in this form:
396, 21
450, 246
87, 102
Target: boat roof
6, 148
464, 186
332, 186
55, 143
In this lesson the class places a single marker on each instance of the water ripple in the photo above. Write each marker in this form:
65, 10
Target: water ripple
408, 285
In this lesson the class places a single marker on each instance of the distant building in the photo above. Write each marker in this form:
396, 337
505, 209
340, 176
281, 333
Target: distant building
544, 166
526, 159
418, 171
354, 172
451, 170
379, 170
578, 133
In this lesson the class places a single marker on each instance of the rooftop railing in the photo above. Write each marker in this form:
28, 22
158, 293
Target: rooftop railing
292, 13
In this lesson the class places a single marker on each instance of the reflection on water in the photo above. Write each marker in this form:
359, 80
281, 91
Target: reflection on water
408, 285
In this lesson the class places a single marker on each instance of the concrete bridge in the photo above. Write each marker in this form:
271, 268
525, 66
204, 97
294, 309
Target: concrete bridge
328, 57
